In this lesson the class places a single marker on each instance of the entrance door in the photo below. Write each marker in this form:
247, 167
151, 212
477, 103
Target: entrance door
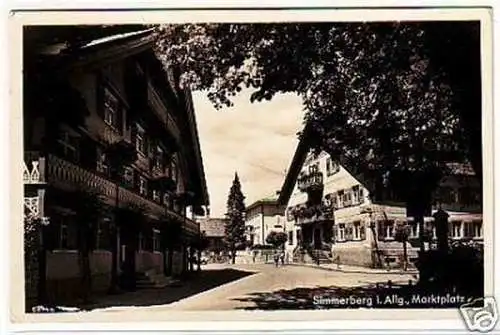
317, 238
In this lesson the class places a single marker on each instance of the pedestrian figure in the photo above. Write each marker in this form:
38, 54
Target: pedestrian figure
276, 259
282, 258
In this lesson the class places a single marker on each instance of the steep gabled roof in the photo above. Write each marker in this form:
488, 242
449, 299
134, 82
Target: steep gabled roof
365, 176
213, 227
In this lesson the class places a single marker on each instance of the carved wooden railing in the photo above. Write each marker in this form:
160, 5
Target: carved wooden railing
64, 174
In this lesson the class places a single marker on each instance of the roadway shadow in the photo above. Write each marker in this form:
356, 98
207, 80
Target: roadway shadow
197, 283
379, 295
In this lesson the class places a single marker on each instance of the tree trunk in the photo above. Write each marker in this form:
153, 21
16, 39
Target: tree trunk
85, 270
199, 259
377, 251
405, 256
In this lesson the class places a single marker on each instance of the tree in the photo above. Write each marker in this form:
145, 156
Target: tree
89, 208
277, 239
235, 224
386, 99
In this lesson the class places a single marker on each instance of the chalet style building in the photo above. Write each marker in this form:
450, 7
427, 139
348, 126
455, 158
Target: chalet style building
113, 141
214, 230
332, 217
262, 217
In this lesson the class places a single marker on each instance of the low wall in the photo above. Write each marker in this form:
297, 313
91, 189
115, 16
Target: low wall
359, 255
64, 275
147, 260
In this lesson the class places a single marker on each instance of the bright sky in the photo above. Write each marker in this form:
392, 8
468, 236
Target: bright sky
256, 140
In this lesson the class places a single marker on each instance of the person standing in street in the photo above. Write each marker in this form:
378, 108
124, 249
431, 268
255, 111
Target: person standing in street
276, 259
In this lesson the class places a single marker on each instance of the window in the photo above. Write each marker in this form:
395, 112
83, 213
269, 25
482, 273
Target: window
156, 195
156, 240
141, 242
173, 170
68, 145
128, 176
111, 108
414, 229
347, 199
314, 167
158, 159
332, 167
290, 237
66, 234
356, 232
140, 140
102, 234
101, 167
142, 186
340, 199
477, 229
386, 230
456, 230
289, 214
341, 232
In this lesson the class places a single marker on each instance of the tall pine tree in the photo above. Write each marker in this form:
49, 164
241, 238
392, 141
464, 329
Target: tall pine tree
235, 225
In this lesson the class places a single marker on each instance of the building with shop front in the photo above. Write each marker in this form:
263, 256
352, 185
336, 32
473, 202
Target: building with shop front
332, 217
262, 217
88, 91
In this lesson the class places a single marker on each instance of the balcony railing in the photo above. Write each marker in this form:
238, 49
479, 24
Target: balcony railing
66, 175
312, 180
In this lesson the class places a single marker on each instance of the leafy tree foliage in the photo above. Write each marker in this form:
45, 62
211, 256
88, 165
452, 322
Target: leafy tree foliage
276, 238
235, 225
382, 96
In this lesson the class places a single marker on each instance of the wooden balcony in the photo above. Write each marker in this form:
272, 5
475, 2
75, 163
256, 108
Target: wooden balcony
62, 174
310, 181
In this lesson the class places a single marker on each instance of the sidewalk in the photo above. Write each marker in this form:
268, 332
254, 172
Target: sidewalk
201, 281
355, 269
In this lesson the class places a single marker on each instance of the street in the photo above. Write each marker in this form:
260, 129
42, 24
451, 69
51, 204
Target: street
264, 287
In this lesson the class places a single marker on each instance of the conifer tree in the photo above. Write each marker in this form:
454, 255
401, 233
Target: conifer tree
235, 225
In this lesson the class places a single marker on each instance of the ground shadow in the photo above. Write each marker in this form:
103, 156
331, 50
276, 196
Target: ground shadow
197, 283
378, 295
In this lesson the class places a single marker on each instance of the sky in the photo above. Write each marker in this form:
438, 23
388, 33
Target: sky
256, 140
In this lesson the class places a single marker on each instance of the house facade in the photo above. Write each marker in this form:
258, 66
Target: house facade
262, 217
214, 230
331, 215
81, 99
